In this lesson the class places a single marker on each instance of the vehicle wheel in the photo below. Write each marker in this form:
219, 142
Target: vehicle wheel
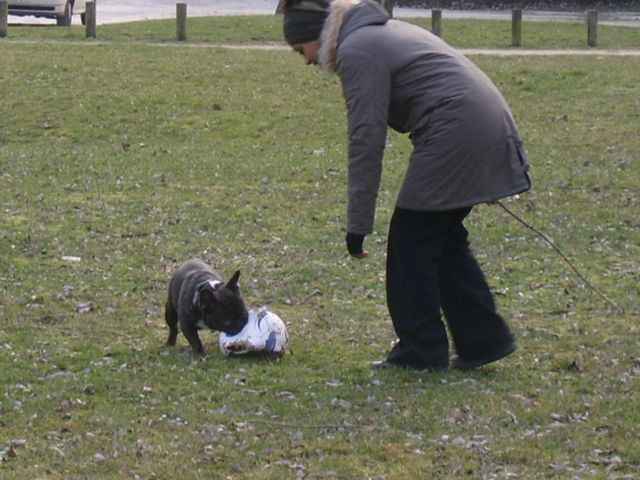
64, 20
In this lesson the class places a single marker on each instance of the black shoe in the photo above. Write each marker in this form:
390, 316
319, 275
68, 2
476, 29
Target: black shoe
471, 363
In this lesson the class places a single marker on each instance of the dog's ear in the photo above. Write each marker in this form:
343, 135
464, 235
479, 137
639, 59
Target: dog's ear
233, 283
206, 297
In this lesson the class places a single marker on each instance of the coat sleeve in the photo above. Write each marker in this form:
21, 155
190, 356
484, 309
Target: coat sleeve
366, 87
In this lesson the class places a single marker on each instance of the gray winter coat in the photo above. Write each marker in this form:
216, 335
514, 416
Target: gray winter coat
467, 149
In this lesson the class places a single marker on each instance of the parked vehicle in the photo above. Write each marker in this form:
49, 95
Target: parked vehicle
61, 10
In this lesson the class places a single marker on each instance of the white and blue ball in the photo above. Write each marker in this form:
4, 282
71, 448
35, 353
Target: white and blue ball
265, 334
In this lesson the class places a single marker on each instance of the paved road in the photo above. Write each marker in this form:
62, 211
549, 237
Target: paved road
119, 11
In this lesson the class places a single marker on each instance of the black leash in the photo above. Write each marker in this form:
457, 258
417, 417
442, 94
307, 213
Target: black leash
548, 240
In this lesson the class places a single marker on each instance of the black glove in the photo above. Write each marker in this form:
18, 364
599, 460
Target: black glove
354, 245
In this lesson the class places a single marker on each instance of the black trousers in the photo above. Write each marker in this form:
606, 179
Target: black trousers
431, 270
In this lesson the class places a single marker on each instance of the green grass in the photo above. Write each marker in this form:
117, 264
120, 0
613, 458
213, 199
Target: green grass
134, 159
463, 33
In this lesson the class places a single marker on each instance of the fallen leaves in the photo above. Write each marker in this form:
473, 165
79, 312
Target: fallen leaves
9, 448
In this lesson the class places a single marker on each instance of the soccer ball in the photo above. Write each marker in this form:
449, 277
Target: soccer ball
265, 334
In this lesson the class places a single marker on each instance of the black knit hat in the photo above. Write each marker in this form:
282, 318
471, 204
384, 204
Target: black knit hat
304, 19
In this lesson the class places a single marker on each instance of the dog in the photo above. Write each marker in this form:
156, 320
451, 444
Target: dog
199, 299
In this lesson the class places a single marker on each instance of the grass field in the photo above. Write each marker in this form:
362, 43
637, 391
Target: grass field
120, 160
268, 29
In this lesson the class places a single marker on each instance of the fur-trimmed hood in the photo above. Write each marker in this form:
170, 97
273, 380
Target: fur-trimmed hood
355, 13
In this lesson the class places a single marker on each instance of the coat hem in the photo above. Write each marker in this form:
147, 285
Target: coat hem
425, 207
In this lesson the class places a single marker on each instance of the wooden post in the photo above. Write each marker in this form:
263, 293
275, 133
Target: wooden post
4, 14
516, 28
592, 28
90, 20
436, 22
181, 17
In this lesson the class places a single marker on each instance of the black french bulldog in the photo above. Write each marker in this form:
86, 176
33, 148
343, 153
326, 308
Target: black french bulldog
198, 298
